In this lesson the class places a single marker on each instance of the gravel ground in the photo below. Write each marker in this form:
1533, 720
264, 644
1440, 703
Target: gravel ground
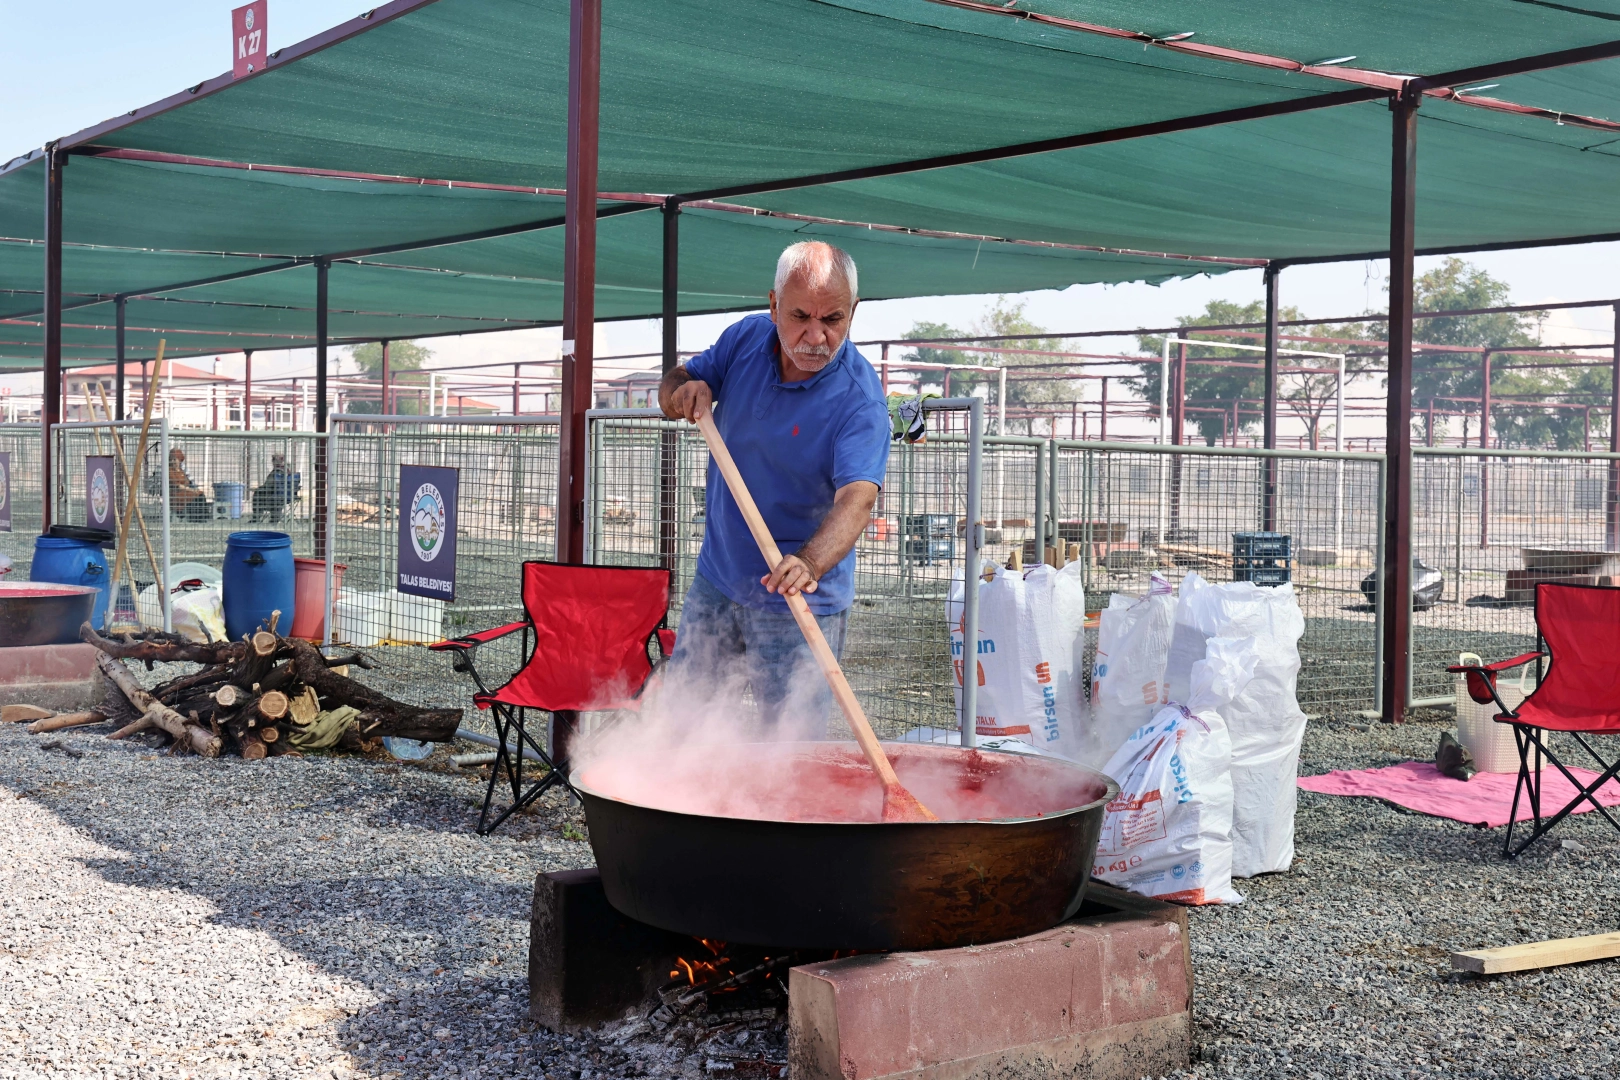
337, 917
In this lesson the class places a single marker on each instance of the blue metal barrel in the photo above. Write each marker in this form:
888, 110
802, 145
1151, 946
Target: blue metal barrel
258, 579
64, 561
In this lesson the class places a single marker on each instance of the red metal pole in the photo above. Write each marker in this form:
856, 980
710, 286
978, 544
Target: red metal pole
1485, 462
322, 266
1103, 436
247, 393
1612, 503
1268, 400
1397, 571
50, 403
517, 391
382, 406
885, 373
579, 271
1429, 431
1178, 389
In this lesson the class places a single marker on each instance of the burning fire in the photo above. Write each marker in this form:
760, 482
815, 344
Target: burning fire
702, 971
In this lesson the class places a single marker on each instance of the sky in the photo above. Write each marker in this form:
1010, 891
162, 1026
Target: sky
67, 65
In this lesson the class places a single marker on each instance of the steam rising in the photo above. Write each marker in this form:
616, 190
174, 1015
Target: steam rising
701, 746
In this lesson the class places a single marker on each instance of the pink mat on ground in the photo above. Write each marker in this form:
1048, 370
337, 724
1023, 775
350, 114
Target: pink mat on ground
1484, 801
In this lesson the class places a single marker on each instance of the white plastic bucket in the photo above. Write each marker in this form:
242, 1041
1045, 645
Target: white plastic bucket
1491, 744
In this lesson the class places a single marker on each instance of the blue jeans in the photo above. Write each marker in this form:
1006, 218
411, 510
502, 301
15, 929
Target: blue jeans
723, 644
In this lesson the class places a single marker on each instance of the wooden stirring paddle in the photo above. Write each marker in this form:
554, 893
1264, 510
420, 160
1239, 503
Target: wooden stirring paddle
898, 803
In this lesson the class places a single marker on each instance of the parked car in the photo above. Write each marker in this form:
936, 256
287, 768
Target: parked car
1428, 583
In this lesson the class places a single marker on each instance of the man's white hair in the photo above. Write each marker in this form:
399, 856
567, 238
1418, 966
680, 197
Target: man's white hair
816, 262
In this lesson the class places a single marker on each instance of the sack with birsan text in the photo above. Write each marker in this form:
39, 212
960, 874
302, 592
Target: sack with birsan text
1168, 832
1265, 720
1127, 676
1028, 661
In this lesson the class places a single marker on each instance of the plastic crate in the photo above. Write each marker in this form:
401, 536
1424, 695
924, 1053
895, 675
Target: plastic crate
1263, 575
929, 552
1261, 545
928, 525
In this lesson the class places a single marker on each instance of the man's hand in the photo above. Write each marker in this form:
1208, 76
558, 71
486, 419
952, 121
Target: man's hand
683, 397
792, 576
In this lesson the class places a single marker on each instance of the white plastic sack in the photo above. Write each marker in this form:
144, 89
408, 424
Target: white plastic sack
1127, 677
1168, 832
199, 615
1265, 720
1028, 660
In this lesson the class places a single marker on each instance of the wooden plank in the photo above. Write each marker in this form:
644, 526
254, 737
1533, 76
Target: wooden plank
1537, 954
16, 714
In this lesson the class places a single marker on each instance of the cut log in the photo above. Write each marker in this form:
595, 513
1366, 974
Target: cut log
1537, 954
230, 695
65, 720
198, 739
144, 723
224, 652
269, 733
305, 707
16, 714
380, 714
265, 641
253, 748
204, 681
273, 705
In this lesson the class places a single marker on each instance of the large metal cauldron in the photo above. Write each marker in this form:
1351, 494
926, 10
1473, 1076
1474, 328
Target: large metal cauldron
42, 613
847, 880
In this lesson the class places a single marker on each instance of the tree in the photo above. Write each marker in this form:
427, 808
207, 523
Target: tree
405, 360
1211, 392
1004, 319
1456, 285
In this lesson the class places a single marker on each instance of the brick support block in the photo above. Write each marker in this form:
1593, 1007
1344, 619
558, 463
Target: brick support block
59, 677
1106, 996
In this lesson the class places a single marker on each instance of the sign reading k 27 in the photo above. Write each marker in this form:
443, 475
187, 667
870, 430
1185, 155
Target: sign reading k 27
248, 48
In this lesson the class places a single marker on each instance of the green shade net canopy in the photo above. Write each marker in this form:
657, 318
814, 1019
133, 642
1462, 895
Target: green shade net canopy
952, 146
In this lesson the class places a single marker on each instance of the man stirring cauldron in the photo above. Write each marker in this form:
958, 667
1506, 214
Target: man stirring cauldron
803, 414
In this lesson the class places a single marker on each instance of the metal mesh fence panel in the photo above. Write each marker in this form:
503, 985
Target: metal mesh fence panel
1126, 512
24, 496
1492, 525
147, 534
506, 515
222, 482
647, 507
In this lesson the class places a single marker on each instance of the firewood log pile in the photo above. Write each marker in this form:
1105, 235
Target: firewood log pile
261, 696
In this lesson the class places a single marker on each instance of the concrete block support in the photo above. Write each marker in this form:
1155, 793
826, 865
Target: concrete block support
1106, 996
587, 963
59, 677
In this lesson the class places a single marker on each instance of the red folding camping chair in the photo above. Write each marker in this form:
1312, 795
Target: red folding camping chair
593, 629
1578, 631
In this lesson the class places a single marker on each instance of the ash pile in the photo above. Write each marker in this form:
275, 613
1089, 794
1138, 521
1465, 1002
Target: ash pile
725, 1005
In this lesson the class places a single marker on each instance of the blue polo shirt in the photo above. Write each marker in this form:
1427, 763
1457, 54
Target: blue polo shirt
795, 443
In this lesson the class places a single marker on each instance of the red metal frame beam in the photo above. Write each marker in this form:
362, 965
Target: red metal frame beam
1397, 570
1439, 86
579, 272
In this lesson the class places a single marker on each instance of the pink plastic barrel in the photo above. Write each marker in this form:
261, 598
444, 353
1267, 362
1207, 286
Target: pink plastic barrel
309, 590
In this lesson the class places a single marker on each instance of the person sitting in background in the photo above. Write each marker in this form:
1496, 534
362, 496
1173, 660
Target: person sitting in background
279, 489
186, 500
